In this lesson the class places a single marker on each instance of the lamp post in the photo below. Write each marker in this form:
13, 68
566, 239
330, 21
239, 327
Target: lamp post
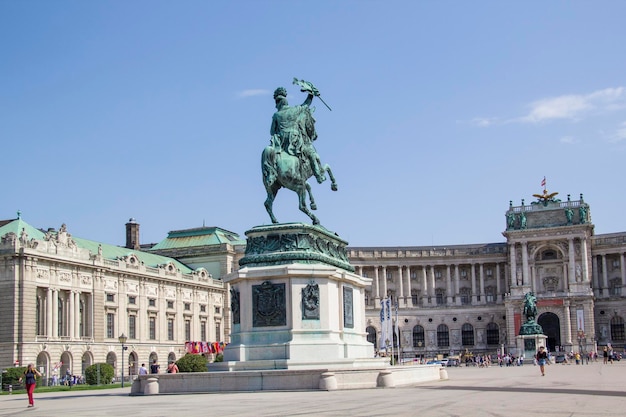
123, 340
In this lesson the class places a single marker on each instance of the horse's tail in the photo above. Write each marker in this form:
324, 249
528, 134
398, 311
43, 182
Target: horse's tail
268, 165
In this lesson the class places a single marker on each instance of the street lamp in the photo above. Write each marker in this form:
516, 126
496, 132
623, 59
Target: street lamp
123, 340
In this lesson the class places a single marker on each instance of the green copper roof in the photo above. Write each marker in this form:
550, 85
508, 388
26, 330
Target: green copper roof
201, 236
16, 226
111, 252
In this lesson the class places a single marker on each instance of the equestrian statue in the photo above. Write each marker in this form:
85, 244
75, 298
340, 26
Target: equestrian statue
530, 307
291, 159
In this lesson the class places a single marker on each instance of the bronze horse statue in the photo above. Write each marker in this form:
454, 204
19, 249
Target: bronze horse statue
530, 306
281, 169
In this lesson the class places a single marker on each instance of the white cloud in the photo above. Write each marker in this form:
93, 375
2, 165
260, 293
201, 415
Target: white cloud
574, 106
483, 121
620, 134
252, 93
568, 140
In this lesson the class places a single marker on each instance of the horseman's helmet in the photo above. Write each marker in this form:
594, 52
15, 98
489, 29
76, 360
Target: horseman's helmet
280, 93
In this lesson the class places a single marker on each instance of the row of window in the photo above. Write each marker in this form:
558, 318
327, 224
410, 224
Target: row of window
440, 298
132, 300
152, 328
443, 336
463, 274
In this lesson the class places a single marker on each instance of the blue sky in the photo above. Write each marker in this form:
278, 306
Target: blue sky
442, 112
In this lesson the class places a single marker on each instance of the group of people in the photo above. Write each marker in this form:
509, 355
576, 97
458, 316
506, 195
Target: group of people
155, 368
510, 360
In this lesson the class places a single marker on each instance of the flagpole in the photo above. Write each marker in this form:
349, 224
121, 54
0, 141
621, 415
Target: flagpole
397, 331
389, 302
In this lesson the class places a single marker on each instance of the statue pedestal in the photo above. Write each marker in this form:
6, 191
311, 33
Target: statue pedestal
296, 303
527, 345
298, 318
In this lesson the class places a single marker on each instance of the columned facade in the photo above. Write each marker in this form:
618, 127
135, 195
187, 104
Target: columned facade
450, 291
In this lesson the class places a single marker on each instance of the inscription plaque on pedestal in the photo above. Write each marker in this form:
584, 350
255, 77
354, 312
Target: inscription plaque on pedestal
268, 305
348, 309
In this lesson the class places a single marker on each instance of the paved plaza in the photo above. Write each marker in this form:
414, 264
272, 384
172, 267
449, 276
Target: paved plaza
566, 390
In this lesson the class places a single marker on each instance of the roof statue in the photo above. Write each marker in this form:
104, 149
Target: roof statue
291, 159
545, 197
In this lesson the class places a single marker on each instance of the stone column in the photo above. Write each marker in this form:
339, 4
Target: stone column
449, 289
605, 278
473, 278
525, 276
432, 284
498, 288
457, 285
572, 262
568, 323
77, 314
424, 287
622, 268
385, 293
513, 265
482, 283
49, 332
401, 299
377, 285
585, 264
409, 296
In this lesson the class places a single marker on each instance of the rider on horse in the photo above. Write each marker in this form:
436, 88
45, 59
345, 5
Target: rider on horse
530, 306
293, 129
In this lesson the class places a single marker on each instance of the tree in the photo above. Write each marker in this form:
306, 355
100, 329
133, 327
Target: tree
12, 375
106, 373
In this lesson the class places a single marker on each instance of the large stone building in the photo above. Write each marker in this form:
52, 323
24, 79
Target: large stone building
453, 299
66, 300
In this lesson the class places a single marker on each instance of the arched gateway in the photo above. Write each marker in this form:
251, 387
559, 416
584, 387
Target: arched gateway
552, 328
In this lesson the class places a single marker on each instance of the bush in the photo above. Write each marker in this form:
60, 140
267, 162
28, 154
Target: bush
192, 363
12, 375
106, 373
219, 358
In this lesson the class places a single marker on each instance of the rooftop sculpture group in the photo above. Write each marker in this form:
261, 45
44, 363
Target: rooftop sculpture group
291, 159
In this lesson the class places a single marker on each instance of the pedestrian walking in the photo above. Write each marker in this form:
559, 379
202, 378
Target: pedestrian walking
542, 357
30, 375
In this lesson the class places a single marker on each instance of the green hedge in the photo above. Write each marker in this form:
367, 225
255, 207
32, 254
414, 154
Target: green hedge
192, 363
106, 373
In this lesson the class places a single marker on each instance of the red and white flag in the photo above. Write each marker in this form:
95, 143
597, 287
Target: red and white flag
543, 182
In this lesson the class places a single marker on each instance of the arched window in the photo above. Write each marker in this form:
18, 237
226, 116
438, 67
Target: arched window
617, 328
371, 336
443, 336
493, 334
153, 357
467, 335
112, 360
418, 336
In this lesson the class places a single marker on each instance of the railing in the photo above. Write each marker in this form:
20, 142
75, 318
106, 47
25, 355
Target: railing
609, 241
110, 262
550, 206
